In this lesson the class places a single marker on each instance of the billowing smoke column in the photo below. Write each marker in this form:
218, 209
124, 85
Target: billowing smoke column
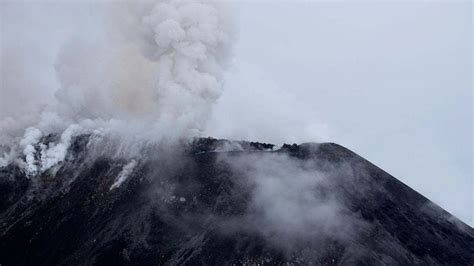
151, 71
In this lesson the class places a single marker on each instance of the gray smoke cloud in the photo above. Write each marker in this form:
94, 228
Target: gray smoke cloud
135, 70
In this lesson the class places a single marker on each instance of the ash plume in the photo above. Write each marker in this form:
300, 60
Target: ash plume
147, 71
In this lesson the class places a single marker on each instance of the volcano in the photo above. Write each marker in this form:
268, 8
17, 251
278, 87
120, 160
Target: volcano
220, 202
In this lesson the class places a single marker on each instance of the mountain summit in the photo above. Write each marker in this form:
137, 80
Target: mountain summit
219, 202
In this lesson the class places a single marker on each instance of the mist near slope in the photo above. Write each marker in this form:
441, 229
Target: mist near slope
146, 71
292, 202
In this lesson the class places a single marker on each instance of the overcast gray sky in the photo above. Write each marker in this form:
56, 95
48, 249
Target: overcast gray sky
392, 81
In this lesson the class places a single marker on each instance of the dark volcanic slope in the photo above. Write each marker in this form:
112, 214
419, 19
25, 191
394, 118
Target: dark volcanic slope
220, 202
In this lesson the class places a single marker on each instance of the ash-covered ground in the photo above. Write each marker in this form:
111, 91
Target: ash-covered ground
218, 202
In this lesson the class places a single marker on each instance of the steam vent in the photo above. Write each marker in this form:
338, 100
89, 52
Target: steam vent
219, 202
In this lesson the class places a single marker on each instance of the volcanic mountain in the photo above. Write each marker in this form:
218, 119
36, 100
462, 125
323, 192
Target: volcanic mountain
219, 202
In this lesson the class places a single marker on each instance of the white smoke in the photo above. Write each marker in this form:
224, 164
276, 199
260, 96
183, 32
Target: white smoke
123, 175
291, 201
164, 62
147, 70
56, 152
31, 137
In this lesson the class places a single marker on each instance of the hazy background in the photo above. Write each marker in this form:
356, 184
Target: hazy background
392, 81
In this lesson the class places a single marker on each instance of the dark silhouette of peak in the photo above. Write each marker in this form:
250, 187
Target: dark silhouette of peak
214, 201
